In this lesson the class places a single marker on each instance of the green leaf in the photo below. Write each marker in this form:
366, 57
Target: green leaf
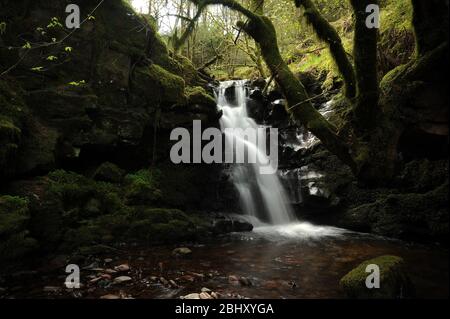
68, 49
26, 45
77, 83
37, 68
52, 58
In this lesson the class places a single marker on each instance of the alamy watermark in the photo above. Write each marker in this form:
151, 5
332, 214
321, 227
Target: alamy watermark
235, 145
373, 280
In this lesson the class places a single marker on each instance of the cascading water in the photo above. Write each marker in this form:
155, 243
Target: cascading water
261, 195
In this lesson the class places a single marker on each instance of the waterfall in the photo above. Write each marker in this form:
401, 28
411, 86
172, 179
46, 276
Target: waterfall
261, 195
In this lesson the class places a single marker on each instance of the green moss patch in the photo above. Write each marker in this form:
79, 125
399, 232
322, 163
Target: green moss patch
394, 281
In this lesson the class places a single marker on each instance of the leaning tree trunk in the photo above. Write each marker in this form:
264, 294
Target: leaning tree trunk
328, 34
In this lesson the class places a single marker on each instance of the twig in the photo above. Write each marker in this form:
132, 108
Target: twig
52, 43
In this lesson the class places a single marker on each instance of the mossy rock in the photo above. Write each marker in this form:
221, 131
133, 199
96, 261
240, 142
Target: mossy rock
15, 240
13, 214
158, 85
410, 216
164, 225
394, 281
200, 101
141, 188
109, 172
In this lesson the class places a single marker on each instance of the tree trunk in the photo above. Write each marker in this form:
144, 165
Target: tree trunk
328, 34
366, 108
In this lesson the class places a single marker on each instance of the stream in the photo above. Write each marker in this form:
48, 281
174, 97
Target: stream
299, 260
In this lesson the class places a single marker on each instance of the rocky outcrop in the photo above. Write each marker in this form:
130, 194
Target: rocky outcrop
107, 90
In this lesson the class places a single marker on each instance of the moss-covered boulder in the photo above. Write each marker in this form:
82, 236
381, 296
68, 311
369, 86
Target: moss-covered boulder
160, 225
141, 188
394, 280
412, 216
200, 101
109, 172
15, 240
158, 85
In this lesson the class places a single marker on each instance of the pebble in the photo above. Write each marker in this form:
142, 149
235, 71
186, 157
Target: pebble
204, 289
245, 281
121, 279
122, 268
191, 296
205, 295
215, 295
234, 280
163, 281
108, 260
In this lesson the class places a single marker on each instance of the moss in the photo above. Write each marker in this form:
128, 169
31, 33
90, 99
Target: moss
163, 225
198, 95
159, 85
394, 281
15, 241
13, 214
326, 32
17, 246
411, 216
142, 187
109, 172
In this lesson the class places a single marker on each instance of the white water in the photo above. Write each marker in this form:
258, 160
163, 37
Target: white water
261, 195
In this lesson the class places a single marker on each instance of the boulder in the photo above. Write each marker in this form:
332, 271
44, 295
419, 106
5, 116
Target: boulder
394, 280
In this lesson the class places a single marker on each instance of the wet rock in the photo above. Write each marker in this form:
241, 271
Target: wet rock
259, 83
205, 295
222, 226
122, 268
256, 94
122, 279
173, 284
181, 252
215, 295
242, 226
230, 93
234, 280
164, 281
278, 112
394, 280
274, 95
245, 282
